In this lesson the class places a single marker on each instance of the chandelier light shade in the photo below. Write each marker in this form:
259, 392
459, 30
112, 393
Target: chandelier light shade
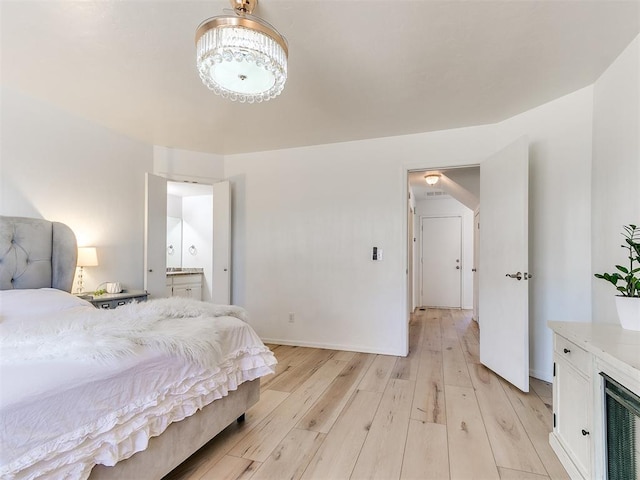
432, 178
240, 56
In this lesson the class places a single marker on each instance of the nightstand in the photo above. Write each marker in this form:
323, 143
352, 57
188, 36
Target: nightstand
114, 300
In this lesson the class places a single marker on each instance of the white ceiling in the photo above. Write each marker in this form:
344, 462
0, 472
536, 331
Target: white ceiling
357, 69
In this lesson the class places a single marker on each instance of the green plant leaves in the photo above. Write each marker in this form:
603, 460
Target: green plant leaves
631, 286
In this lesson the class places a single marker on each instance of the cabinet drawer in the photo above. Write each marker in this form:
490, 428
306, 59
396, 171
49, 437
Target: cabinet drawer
187, 279
573, 354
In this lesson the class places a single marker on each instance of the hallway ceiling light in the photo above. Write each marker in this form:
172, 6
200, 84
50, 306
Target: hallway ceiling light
240, 56
432, 178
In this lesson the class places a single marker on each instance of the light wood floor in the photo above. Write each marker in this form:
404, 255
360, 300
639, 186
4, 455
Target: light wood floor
436, 414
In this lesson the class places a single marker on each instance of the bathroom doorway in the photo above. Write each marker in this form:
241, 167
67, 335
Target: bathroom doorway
188, 226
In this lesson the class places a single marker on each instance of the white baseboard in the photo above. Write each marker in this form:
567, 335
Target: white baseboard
331, 346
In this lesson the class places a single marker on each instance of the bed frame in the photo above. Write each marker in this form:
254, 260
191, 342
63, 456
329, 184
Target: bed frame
182, 439
36, 253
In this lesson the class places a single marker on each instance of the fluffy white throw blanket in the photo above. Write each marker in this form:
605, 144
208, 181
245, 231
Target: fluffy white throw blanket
175, 325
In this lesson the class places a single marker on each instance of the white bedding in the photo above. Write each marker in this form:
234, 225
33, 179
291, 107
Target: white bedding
59, 417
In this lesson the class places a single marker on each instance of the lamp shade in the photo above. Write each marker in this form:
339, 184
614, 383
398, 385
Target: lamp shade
87, 257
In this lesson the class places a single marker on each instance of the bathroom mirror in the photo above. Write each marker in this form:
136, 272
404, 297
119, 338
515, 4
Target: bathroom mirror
174, 242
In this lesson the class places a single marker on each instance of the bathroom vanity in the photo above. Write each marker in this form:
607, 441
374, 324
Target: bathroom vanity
184, 282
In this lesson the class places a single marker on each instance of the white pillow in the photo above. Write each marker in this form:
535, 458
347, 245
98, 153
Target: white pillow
37, 302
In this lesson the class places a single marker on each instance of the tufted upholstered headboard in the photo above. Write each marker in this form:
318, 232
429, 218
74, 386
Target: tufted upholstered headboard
36, 253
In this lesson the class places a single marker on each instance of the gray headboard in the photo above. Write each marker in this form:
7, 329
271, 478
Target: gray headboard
36, 253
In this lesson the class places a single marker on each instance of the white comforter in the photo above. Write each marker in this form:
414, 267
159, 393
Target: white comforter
60, 415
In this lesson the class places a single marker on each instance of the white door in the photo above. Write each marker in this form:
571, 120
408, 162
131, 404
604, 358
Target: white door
221, 283
504, 251
441, 261
410, 253
155, 236
476, 255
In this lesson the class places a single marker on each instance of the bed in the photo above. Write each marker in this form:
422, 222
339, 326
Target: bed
129, 393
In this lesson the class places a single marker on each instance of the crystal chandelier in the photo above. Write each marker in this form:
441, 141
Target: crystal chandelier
240, 56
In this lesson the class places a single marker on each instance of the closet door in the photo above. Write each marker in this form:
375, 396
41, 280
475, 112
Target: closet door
155, 236
221, 287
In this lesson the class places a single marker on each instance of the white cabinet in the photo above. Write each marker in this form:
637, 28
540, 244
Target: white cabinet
188, 286
582, 353
572, 405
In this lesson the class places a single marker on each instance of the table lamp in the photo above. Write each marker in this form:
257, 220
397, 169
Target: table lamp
87, 257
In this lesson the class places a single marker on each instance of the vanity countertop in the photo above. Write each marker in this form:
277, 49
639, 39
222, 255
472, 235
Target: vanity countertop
172, 272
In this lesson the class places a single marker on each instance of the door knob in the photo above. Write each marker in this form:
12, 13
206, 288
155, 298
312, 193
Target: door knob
457, 267
527, 275
473, 270
517, 276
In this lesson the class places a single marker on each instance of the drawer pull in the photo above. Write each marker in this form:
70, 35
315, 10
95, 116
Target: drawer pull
566, 350
584, 432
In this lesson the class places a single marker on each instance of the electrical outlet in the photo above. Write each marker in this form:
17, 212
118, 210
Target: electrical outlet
292, 317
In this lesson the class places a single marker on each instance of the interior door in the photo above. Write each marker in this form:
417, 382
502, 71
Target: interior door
503, 263
476, 256
221, 283
410, 253
441, 261
155, 235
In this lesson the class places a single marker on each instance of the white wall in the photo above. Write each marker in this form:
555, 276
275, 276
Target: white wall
309, 217
559, 215
616, 171
174, 206
468, 178
197, 230
441, 207
178, 164
60, 167
305, 221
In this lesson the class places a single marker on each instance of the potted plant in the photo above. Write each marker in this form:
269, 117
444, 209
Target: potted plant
628, 301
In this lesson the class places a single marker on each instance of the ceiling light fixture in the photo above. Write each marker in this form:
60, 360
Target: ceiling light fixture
240, 56
432, 178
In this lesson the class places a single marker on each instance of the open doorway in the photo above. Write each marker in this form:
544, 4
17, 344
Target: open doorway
503, 292
192, 230
444, 260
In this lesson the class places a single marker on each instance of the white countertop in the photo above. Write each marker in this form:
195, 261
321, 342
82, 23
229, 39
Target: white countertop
185, 271
611, 343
